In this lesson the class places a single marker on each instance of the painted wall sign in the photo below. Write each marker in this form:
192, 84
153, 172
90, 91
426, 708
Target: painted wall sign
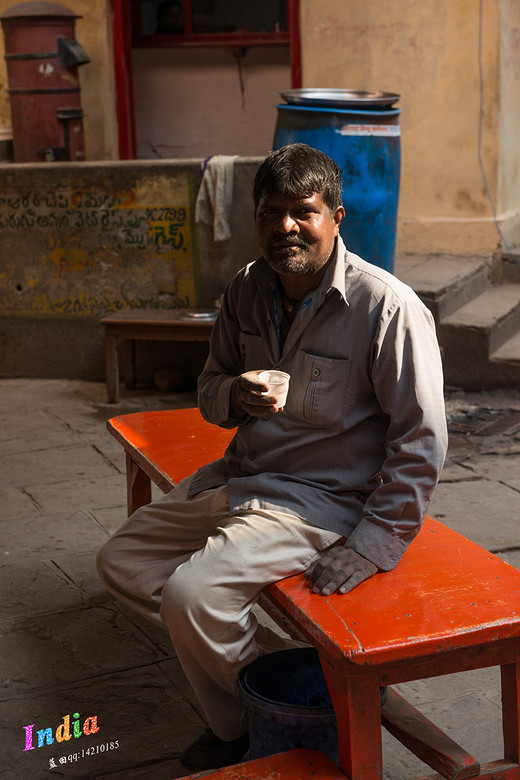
89, 245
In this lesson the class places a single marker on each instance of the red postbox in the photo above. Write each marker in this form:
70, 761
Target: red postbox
42, 58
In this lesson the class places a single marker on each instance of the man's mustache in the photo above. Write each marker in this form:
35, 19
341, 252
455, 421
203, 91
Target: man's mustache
288, 241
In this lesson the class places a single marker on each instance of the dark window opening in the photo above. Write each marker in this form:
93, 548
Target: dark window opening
209, 22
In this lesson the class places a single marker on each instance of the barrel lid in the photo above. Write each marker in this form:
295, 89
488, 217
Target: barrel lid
340, 98
38, 9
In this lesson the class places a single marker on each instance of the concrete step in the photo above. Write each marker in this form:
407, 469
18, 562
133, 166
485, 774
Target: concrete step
508, 352
495, 314
472, 336
444, 283
476, 304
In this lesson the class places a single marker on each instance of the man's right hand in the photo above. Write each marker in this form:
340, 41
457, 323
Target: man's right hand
247, 394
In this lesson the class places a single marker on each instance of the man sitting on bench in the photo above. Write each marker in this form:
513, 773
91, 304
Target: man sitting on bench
334, 485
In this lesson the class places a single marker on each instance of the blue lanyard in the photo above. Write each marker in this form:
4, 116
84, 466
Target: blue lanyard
276, 316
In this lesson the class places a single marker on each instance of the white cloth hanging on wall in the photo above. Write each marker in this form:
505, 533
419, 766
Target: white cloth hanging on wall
215, 196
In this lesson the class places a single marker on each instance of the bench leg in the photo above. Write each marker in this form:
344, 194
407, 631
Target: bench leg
138, 486
112, 369
511, 708
357, 705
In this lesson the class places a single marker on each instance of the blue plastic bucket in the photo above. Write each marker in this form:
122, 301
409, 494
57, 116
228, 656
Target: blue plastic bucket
366, 145
288, 704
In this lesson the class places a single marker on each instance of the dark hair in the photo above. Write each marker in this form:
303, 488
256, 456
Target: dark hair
298, 170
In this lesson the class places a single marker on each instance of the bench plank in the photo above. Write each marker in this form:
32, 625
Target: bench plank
291, 765
447, 593
152, 440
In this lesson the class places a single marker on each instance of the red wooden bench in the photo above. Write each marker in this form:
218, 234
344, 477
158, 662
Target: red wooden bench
449, 606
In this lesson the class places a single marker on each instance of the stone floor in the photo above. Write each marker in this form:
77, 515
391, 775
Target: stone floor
69, 651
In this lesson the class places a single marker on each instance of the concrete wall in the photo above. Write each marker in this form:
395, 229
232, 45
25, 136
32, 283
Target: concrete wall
192, 103
428, 51
83, 240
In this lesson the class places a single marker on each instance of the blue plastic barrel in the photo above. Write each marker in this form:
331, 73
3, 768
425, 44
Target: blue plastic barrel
288, 704
365, 144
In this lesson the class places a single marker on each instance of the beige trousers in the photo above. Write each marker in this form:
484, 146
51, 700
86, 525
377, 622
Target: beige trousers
187, 565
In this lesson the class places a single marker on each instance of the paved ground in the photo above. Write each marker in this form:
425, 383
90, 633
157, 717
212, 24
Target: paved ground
68, 648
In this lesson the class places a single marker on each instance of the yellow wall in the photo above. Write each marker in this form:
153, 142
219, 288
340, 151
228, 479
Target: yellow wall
428, 52
93, 32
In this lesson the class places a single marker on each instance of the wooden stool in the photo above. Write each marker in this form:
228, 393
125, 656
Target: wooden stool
125, 327
449, 606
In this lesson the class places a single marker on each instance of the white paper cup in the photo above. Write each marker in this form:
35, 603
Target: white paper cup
278, 382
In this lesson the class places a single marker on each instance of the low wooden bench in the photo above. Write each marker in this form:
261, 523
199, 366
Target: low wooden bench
449, 606
125, 327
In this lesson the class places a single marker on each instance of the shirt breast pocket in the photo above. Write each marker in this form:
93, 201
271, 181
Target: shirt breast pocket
252, 351
318, 388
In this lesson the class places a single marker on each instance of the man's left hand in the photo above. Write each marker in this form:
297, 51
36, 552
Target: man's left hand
339, 569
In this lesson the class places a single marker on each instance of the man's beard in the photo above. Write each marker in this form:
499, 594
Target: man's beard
290, 263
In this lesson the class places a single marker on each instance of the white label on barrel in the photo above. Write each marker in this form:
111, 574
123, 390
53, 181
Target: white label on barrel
370, 130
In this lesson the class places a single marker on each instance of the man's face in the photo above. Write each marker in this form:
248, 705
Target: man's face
296, 235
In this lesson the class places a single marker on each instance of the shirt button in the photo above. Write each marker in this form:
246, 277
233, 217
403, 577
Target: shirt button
252, 455
316, 373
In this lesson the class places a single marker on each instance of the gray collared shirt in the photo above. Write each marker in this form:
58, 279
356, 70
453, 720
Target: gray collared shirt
361, 442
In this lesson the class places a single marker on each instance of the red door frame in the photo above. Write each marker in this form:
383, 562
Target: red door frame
295, 43
123, 77
122, 54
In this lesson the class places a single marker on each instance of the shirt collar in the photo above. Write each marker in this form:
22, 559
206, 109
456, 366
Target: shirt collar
335, 276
